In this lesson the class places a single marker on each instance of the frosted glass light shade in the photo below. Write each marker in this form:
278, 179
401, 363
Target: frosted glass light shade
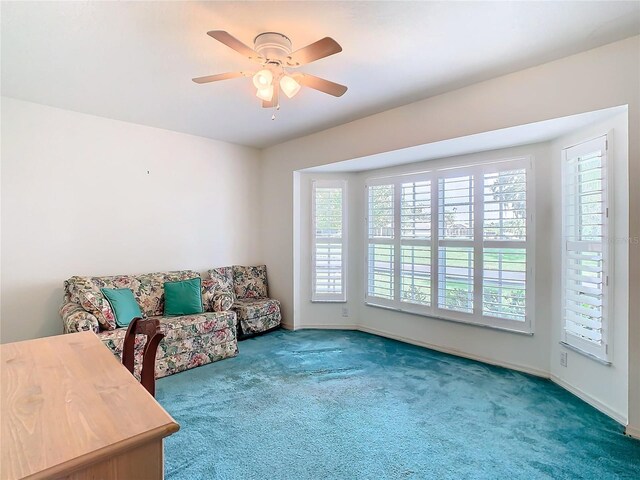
262, 79
289, 86
265, 94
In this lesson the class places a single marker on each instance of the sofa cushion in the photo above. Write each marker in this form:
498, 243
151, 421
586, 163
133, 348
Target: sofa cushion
250, 282
148, 290
223, 279
94, 302
257, 315
255, 307
183, 297
175, 329
123, 304
177, 355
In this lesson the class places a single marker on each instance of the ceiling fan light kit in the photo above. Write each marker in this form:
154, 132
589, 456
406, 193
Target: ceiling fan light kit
263, 79
274, 52
289, 86
265, 94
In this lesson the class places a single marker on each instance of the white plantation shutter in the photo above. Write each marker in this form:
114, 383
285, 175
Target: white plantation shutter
586, 255
329, 246
453, 244
415, 241
380, 249
504, 231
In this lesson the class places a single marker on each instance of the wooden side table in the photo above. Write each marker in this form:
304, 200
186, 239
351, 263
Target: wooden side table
69, 409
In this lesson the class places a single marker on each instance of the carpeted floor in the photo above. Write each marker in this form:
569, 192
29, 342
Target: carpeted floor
347, 405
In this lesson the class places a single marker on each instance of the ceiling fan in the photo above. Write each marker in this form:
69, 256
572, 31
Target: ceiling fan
274, 52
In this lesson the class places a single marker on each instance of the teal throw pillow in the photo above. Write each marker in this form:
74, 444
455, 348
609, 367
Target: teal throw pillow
123, 303
183, 298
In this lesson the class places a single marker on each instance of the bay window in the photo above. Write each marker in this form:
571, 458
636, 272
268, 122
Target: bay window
453, 243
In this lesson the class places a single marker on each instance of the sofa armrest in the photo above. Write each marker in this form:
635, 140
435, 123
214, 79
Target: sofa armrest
222, 302
77, 319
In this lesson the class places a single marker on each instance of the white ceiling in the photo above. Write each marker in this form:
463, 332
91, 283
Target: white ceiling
134, 61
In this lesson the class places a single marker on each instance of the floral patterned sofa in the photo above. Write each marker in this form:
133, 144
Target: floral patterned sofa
257, 313
190, 340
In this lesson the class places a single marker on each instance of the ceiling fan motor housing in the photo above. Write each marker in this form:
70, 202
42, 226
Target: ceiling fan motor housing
272, 46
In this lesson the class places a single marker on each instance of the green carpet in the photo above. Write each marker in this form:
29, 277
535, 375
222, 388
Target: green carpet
347, 405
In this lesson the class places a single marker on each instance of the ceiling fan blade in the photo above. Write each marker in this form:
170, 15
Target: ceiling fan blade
220, 76
315, 51
232, 42
321, 84
274, 100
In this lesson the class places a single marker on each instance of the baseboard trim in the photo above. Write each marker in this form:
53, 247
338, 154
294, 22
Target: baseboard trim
453, 351
633, 432
329, 326
590, 400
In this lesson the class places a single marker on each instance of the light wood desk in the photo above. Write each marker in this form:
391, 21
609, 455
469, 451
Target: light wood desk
69, 409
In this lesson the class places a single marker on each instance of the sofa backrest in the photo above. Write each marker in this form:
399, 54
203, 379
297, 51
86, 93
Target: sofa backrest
148, 290
240, 281
250, 282
223, 279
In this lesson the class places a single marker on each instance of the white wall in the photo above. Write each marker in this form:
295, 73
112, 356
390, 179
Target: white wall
600, 78
329, 314
606, 385
77, 200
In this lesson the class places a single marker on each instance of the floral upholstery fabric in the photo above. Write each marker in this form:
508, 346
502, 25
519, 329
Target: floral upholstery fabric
77, 319
214, 299
250, 282
222, 302
148, 290
223, 279
208, 292
190, 341
256, 315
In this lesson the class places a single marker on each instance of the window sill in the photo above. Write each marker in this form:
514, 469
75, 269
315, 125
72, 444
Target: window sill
454, 320
586, 354
328, 301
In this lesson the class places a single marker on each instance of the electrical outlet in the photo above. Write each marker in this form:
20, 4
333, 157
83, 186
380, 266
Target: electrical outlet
563, 359
345, 311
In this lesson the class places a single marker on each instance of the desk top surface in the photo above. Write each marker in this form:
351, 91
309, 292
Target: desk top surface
66, 401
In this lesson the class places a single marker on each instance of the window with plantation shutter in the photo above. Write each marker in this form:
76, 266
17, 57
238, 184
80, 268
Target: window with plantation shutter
329, 245
453, 244
381, 235
415, 242
504, 255
586, 253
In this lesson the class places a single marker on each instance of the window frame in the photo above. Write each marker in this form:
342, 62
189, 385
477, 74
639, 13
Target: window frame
477, 170
329, 297
602, 353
